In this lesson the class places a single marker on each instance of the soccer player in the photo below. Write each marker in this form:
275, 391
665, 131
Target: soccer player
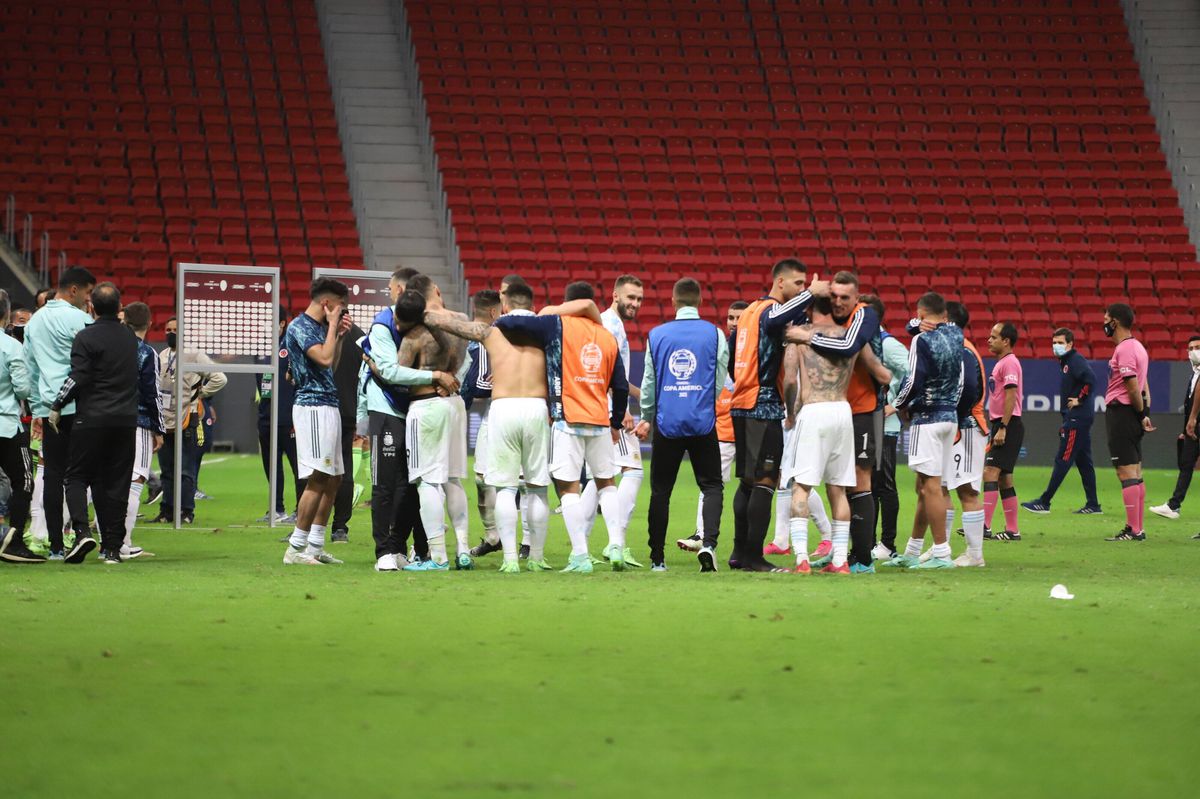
1187, 448
48, 339
825, 445
395, 505
582, 367
1077, 397
966, 478
627, 455
475, 377
312, 341
148, 436
437, 437
883, 483
686, 364
286, 435
14, 443
518, 437
930, 394
758, 409
1005, 397
861, 325
1127, 415
197, 386
104, 381
724, 435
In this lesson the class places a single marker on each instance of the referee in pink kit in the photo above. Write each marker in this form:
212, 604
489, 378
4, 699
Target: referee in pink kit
1127, 416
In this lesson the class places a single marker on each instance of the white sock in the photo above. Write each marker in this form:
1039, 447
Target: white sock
949, 521
433, 517
456, 504
942, 550
37, 514
526, 535
299, 539
627, 494
316, 539
575, 518
973, 529
506, 521
783, 515
816, 511
798, 537
131, 511
487, 509
841, 541
539, 521
590, 504
914, 547
610, 508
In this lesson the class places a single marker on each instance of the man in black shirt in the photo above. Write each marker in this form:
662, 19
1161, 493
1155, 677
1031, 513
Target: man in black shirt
1187, 447
1078, 399
104, 384
345, 377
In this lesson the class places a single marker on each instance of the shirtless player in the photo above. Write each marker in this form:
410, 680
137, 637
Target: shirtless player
518, 423
436, 436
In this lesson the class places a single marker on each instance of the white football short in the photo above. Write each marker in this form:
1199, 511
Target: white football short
518, 442
970, 451
728, 451
569, 453
481, 447
318, 439
822, 446
931, 448
627, 451
143, 452
436, 439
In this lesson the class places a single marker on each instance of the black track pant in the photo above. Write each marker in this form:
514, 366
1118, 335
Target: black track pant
343, 505
883, 486
287, 448
705, 454
395, 506
101, 458
15, 462
55, 457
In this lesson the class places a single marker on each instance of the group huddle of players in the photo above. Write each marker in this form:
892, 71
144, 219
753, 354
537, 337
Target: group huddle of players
804, 388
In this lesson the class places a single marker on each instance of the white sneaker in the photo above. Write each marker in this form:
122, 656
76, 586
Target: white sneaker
129, 553
1164, 510
881, 552
325, 557
386, 563
298, 557
967, 559
692, 543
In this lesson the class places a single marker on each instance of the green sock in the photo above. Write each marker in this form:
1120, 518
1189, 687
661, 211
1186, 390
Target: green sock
356, 459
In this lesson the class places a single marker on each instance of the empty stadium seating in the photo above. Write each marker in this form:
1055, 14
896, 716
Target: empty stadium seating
143, 133
1002, 150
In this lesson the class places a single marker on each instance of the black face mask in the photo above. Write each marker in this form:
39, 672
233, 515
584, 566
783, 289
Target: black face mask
171, 341
17, 332
1109, 328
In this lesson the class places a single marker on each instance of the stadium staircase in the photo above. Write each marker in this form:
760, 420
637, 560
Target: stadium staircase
143, 133
1002, 150
1166, 40
389, 154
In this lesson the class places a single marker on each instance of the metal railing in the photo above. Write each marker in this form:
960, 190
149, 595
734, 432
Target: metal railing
35, 250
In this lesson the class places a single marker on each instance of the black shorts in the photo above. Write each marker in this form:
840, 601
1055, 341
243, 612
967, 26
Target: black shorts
1005, 458
868, 427
1125, 432
758, 448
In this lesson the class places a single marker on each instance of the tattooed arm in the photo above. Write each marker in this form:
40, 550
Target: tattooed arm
457, 325
791, 382
881, 373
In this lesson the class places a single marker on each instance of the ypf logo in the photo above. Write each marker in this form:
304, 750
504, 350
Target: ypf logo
591, 356
682, 364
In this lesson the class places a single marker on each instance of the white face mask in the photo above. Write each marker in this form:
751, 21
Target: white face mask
1194, 357
1059, 350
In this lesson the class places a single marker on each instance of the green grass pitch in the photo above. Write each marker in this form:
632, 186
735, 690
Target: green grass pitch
213, 671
